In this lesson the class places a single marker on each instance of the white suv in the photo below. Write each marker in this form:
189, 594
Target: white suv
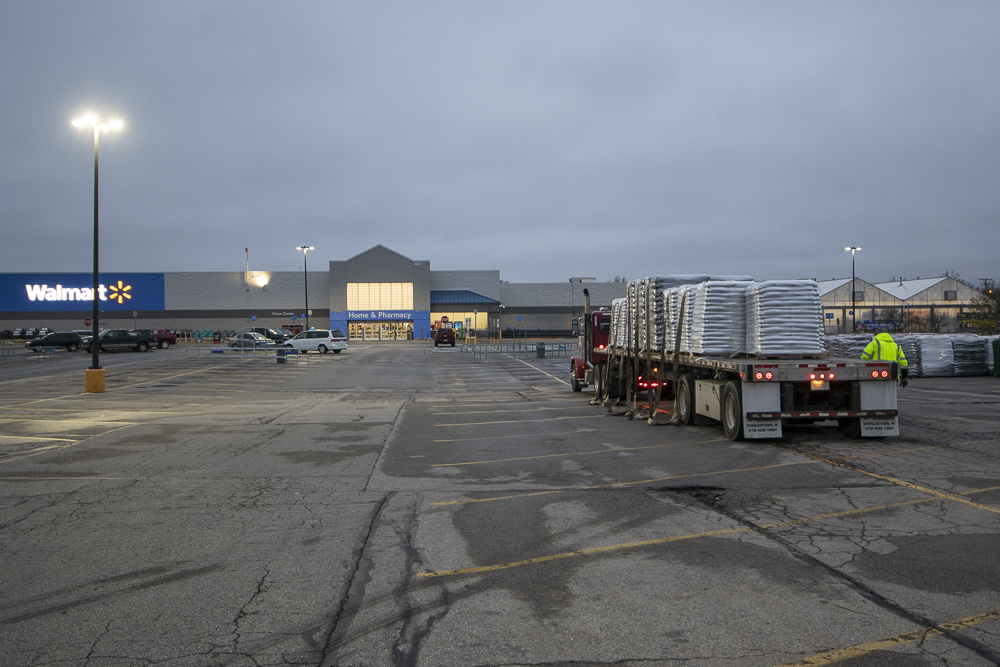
319, 340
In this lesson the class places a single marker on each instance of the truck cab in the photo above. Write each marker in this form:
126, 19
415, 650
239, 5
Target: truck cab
592, 346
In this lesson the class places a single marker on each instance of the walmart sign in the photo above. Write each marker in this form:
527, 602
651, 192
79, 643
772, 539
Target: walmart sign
74, 291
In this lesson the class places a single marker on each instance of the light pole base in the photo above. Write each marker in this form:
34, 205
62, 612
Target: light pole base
95, 380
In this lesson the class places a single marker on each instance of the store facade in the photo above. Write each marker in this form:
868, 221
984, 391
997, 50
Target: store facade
378, 294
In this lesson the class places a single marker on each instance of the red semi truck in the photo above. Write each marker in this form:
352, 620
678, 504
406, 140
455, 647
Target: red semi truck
750, 397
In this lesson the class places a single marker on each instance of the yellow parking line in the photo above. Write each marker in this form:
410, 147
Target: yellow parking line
663, 540
524, 421
84, 394
909, 485
520, 435
583, 406
31, 437
596, 451
697, 474
831, 657
617, 484
5, 478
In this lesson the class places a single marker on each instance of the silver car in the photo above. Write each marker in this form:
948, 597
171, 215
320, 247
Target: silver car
250, 339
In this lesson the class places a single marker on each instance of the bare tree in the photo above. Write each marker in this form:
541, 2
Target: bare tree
618, 279
984, 312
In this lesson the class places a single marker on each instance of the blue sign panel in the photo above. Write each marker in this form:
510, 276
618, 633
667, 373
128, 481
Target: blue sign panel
74, 291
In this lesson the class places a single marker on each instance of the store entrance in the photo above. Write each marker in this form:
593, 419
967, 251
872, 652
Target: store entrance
380, 330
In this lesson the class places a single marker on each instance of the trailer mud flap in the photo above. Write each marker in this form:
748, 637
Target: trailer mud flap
875, 427
761, 428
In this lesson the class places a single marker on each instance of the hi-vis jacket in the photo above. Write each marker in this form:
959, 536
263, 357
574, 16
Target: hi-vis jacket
884, 348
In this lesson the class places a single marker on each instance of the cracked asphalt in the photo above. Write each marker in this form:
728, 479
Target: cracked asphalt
403, 505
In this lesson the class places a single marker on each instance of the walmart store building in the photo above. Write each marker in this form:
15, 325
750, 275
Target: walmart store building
378, 294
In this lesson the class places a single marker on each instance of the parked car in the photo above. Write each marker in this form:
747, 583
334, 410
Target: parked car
270, 334
17, 333
444, 337
250, 339
67, 339
30, 333
120, 339
319, 340
162, 340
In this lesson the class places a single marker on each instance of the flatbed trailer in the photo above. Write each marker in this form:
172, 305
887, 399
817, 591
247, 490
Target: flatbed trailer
751, 397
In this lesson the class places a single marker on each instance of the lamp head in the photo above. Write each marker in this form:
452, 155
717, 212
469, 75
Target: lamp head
90, 120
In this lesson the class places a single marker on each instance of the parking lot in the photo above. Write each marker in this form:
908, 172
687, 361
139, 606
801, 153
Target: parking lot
399, 504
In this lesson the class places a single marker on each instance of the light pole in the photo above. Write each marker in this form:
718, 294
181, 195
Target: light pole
305, 270
854, 292
95, 374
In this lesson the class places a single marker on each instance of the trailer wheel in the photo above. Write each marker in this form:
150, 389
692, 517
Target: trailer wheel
573, 382
732, 412
685, 400
850, 427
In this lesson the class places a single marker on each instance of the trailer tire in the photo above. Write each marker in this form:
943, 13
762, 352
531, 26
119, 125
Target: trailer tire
685, 400
732, 411
850, 427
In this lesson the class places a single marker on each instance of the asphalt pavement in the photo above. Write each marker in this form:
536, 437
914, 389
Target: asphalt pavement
405, 505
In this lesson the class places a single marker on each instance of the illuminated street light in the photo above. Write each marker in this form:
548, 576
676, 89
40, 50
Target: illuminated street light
854, 307
95, 374
305, 271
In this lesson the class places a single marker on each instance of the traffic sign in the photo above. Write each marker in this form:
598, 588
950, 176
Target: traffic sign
88, 322
444, 319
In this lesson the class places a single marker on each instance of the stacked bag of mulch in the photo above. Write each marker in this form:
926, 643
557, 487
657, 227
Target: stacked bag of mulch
619, 314
847, 346
990, 360
970, 354
937, 356
911, 348
718, 324
784, 317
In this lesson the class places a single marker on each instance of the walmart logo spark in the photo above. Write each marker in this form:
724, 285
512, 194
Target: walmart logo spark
119, 292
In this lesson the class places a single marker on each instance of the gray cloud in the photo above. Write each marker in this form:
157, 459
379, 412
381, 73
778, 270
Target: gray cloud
546, 139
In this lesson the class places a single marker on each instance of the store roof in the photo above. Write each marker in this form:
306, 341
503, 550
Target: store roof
905, 289
459, 296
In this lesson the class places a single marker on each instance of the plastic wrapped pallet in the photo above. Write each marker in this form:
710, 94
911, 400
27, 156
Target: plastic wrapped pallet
911, 348
847, 346
784, 317
937, 358
970, 354
648, 308
718, 323
990, 360
616, 335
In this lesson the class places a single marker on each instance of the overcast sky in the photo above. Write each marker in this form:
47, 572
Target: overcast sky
544, 139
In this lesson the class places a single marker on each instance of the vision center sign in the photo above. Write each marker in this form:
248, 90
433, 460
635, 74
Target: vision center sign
21, 292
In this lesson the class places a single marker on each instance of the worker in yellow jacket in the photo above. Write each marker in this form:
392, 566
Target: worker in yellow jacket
884, 348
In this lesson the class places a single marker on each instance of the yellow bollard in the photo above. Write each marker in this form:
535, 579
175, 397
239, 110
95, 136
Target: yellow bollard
95, 380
